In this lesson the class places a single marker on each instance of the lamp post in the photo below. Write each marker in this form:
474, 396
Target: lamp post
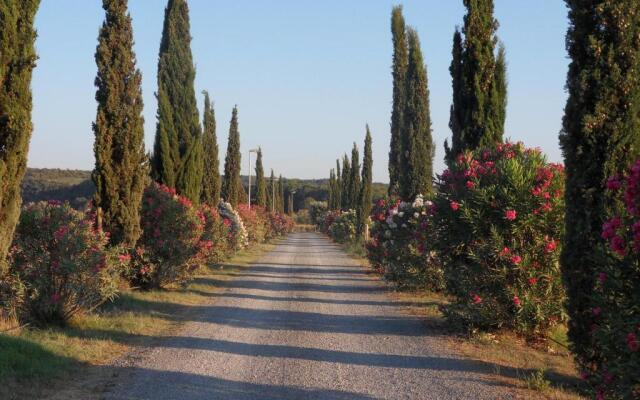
250, 151
291, 210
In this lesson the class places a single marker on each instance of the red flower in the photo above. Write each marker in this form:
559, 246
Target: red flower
516, 260
504, 252
550, 247
516, 301
124, 258
596, 311
618, 246
455, 206
470, 185
632, 342
602, 277
533, 281
476, 299
510, 215
55, 298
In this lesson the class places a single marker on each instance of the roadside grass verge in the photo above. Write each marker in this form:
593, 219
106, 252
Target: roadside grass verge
542, 370
34, 359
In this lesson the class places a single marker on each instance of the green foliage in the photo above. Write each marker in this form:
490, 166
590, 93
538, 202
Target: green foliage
281, 200
354, 179
215, 243
72, 186
615, 314
499, 220
366, 196
346, 183
271, 193
399, 73
416, 156
317, 209
211, 172
600, 138
170, 242
231, 184
60, 263
120, 172
479, 82
178, 154
261, 183
338, 188
17, 60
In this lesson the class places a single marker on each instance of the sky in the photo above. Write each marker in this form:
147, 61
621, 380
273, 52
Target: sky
306, 75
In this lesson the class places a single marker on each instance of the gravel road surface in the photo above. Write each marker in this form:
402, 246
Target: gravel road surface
305, 322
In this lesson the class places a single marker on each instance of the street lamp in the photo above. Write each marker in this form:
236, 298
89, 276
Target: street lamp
250, 151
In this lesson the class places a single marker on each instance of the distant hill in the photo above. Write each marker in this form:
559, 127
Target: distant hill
76, 187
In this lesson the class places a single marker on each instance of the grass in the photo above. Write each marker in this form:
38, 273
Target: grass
538, 371
33, 359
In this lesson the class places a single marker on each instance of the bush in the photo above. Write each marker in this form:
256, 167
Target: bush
238, 237
616, 316
280, 224
343, 228
214, 244
59, 264
170, 244
402, 237
317, 210
255, 222
500, 215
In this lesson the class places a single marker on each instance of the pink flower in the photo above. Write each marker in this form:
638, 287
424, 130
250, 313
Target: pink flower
613, 183
516, 301
516, 260
632, 342
504, 252
470, 185
602, 277
455, 206
618, 246
124, 258
476, 299
596, 311
550, 247
533, 281
510, 215
55, 298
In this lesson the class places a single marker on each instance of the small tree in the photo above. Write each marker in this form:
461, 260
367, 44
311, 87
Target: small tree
121, 169
232, 185
211, 175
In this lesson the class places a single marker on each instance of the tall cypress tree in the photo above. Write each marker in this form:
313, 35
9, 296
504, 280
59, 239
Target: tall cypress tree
346, 183
331, 190
417, 143
271, 197
354, 178
479, 82
178, 154
232, 189
17, 60
399, 73
457, 106
211, 168
600, 138
261, 184
339, 190
366, 196
121, 169
281, 199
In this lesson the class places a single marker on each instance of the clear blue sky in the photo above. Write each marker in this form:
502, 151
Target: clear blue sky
306, 75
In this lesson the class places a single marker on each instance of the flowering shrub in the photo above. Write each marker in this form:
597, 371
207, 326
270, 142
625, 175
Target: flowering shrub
279, 224
255, 222
342, 228
214, 242
500, 214
238, 236
326, 219
402, 235
616, 316
170, 243
317, 211
59, 263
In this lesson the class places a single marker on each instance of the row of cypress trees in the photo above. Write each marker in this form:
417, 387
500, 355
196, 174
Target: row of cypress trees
185, 154
350, 185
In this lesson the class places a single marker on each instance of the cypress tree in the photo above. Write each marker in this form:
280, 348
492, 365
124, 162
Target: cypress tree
457, 106
399, 73
600, 139
261, 184
331, 190
290, 203
416, 140
281, 199
232, 189
271, 193
178, 158
17, 60
211, 169
354, 179
338, 191
366, 196
121, 169
346, 183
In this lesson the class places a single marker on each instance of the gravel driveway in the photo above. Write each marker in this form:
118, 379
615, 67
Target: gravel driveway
305, 322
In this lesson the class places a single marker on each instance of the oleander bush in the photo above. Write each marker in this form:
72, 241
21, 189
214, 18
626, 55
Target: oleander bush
60, 264
616, 316
215, 245
238, 236
401, 243
255, 222
168, 249
279, 224
500, 217
342, 228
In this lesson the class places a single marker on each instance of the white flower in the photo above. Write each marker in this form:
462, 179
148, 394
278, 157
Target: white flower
416, 215
401, 214
418, 202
